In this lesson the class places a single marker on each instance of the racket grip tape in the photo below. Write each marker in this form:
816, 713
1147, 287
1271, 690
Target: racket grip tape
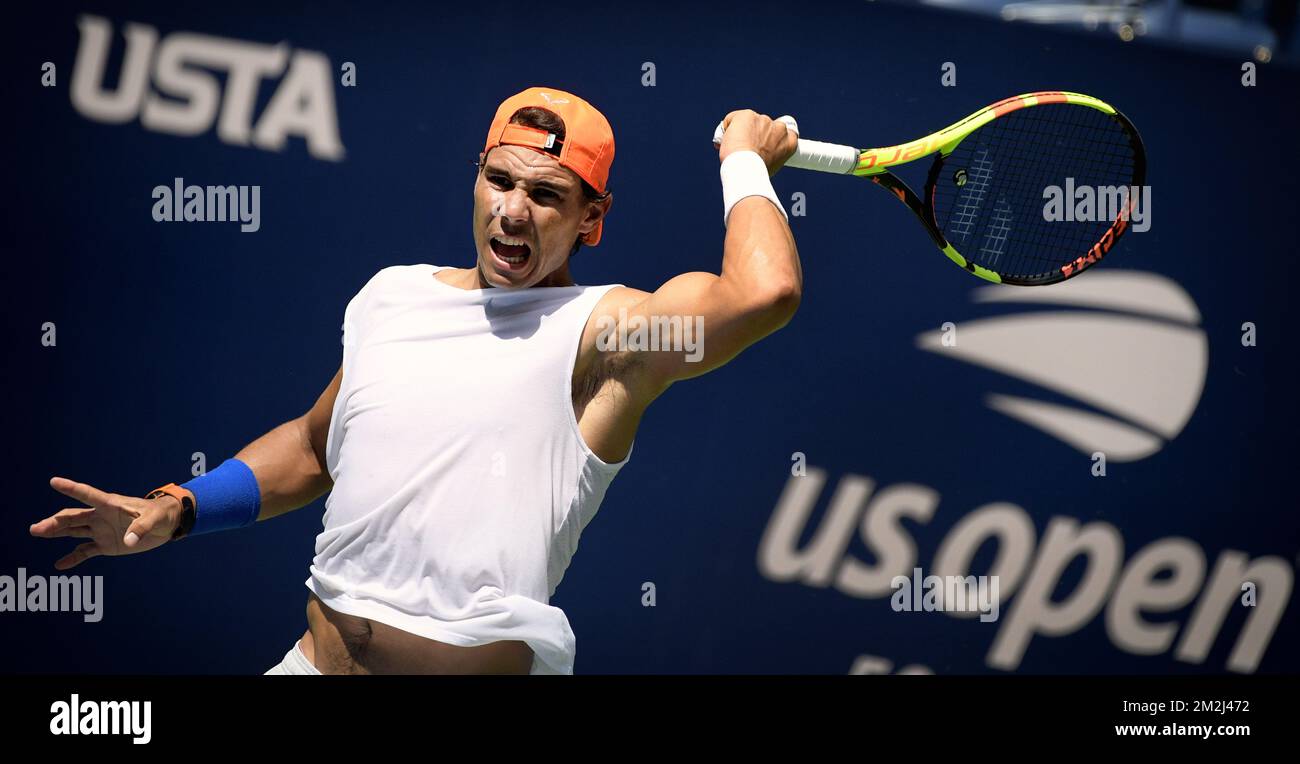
813, 155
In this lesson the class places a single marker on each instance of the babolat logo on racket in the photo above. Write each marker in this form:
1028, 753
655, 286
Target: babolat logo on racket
1124, 207
1098, 250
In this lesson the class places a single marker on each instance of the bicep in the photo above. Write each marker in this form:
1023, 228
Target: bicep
316, 422
697, 322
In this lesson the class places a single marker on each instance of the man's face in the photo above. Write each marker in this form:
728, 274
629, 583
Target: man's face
528, 210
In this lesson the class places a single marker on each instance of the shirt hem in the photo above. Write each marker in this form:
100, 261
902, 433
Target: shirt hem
426, 626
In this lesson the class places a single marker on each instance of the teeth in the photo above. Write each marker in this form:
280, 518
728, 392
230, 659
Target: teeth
513, 242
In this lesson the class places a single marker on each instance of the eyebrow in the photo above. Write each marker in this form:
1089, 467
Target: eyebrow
543, 183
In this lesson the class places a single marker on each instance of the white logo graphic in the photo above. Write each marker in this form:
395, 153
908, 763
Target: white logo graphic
548, 98
1135, 356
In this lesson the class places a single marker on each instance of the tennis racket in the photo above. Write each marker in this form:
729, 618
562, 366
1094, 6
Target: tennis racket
984, 197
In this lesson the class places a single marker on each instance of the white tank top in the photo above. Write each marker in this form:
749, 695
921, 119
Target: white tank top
461, 481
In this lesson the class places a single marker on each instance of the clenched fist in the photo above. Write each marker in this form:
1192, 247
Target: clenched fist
747, 130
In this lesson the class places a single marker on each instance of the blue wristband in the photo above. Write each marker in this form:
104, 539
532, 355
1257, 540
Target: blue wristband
225, 498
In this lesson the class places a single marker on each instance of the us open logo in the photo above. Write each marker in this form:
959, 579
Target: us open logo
1125, 347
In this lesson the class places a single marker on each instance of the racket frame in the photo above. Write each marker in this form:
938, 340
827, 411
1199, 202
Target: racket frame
874, 164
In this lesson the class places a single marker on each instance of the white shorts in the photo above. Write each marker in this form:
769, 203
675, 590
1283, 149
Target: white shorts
295, 662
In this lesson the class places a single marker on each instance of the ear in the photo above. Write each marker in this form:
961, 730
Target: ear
596, 211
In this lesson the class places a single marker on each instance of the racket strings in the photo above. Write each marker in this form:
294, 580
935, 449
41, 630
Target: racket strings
991, 194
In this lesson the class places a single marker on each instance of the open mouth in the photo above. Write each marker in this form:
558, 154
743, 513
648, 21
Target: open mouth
509, 250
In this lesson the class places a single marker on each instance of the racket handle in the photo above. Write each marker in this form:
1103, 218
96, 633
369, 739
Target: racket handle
824, 157
813, 155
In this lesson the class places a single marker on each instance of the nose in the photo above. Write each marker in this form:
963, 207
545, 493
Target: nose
512, 207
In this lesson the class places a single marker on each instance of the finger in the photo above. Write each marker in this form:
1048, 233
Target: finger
76, 532
726, 121
140, 527
67, 518
80, 491
78, 556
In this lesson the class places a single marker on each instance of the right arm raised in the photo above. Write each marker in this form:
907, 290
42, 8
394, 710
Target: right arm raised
289, 461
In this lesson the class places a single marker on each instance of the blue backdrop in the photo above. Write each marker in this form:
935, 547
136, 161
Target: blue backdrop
177, 338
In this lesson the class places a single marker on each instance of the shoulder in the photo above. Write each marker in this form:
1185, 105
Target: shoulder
605, 316
607, 307
394, 274
617, 297
608, 311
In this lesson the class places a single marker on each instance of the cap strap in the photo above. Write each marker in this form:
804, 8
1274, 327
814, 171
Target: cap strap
523, 135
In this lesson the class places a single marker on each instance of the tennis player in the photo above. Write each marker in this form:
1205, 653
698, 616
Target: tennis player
480, 413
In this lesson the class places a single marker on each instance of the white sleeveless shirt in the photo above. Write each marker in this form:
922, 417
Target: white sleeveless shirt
461, 481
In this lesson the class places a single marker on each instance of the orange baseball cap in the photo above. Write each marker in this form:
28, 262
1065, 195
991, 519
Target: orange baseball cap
588, 145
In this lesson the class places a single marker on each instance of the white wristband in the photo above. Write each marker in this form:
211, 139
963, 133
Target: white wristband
745, 174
